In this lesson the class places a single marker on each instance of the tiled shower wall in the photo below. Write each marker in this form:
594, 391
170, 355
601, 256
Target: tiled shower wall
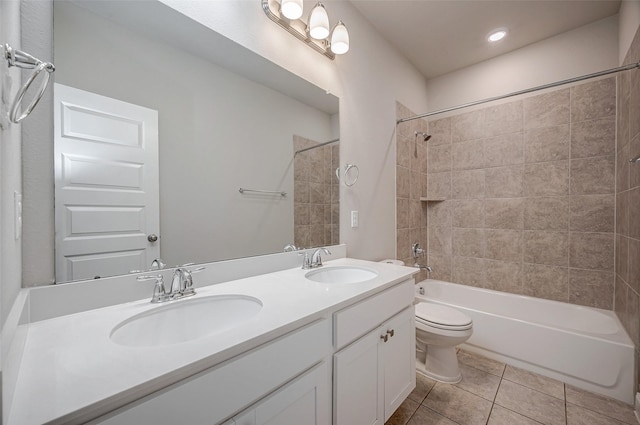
522, 195
627, 290
411, 185
316, 194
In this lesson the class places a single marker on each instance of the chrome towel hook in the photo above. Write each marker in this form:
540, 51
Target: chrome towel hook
26, 61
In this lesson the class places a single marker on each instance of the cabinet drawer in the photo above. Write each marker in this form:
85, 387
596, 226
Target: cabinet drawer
358, 319
219, 392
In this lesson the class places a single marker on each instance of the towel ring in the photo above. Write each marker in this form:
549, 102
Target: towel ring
355, 173
26, 61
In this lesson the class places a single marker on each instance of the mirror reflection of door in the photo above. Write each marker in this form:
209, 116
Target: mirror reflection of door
106, 185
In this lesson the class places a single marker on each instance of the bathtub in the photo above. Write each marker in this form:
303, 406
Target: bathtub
582, 346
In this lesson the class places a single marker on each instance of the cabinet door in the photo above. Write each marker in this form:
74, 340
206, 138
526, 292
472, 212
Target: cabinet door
304, 401
357, 383
397, 360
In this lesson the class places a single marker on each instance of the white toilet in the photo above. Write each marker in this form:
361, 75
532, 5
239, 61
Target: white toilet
438, 330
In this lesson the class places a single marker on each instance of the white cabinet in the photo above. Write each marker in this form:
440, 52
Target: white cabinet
304, 401
212, 396
373, 375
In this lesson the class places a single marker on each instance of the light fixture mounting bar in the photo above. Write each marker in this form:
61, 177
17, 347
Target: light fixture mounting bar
272, 10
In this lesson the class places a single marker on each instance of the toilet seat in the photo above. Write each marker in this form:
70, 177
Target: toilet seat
441, 317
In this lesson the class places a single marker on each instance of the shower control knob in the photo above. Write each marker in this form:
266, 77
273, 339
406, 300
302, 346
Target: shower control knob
152, 238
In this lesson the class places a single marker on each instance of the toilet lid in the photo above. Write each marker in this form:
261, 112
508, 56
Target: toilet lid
441, 315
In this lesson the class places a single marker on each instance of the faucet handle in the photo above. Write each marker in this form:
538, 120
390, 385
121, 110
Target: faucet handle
159, 292
306, 260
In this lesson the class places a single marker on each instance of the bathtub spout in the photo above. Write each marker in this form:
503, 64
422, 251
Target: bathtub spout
421, 267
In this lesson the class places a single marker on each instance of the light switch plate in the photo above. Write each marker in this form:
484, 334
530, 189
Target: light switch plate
354, 219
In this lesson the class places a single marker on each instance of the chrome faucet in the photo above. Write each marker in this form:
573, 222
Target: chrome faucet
314, 260
158, 264
181, 285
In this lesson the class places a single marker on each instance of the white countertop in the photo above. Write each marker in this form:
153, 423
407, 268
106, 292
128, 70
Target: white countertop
71, 371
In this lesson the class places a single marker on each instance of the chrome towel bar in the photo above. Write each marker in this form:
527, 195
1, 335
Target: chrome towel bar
267, 192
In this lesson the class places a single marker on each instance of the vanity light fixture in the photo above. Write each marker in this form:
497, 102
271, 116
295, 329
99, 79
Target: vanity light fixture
317, 34
497, 35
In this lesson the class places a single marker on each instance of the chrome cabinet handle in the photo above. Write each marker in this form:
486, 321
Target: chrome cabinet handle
391, 332
384, 337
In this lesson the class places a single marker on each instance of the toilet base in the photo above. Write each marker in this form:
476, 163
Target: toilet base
440, 364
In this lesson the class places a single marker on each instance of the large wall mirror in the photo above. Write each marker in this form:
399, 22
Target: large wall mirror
225, 119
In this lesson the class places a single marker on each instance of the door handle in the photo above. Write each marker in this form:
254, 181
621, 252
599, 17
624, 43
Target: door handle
152, 238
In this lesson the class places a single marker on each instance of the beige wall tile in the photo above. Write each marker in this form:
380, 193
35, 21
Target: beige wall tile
550, 213
403, 243
439, 213
441, 266
415, 184
550, 248
504, 182
438, 158
504, 213
623, 168
593, 138
622, 213
620, 298
301, 236
546, 178
622, 257
403, 183
547, 144
440, 240
547, 109
418, 157
417, 216
439, 185
503, 276
507, 149
468, 212
592, 288
593, 176
467, 126
468, 155
634, 104
503, 119
301, 192
301, 214
634, 265
592, 251
593, 100
440, 131
634, 169
504, 245
402, 213
622, 109
469, 271
547, 282
634, 212
593, 213
468, 184
468, 242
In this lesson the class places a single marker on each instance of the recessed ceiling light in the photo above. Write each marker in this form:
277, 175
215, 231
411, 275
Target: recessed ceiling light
497, 35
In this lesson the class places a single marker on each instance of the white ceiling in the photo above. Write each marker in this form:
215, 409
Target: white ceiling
440, 36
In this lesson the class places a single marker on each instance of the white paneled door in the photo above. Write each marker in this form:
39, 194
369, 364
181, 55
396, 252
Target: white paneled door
106, 185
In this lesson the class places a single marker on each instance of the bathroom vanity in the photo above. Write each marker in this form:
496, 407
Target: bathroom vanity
316, 352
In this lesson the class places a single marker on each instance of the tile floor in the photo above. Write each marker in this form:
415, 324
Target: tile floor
497, 394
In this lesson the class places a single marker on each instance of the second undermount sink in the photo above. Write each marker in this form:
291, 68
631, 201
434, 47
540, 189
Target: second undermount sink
185, 320
341, 274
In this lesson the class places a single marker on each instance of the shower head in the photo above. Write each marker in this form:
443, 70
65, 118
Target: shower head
425, 136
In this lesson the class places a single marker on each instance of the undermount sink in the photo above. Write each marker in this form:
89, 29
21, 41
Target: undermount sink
185, 320
341, 274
